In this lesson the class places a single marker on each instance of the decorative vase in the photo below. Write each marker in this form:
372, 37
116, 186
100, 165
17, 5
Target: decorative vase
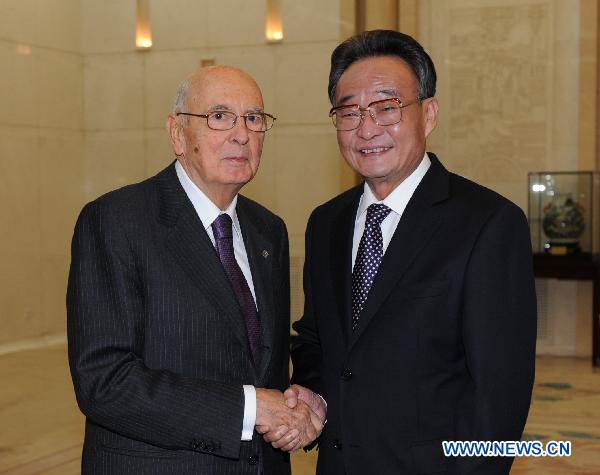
563, 224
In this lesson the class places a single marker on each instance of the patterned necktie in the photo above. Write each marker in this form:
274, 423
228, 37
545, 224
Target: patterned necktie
368, 258
224, 241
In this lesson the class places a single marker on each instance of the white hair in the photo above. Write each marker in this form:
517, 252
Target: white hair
180, 98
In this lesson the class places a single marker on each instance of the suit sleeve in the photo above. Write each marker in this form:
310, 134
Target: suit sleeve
499, 334
114, 388
284, 295
306, 347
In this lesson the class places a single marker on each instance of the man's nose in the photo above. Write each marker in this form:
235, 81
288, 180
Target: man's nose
239, 132
368, 128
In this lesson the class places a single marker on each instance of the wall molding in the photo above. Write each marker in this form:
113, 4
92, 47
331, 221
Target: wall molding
33, 343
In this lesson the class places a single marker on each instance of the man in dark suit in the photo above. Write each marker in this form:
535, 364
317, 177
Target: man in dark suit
419, 323
178, 304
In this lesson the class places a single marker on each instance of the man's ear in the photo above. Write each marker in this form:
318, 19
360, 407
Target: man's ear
430, 112
175, 131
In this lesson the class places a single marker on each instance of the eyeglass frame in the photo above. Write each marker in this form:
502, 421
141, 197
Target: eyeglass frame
362, 111
245, 116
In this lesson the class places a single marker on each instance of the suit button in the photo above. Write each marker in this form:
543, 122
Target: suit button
337, 444
346, 374
253, 460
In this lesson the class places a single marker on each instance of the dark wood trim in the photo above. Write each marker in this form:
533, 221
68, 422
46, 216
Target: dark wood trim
598, 85
360, 13
395, 13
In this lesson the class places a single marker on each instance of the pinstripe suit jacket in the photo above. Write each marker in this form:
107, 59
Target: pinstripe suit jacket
157, 343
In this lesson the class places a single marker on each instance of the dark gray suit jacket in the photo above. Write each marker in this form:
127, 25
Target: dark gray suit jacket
445, 346
157, 342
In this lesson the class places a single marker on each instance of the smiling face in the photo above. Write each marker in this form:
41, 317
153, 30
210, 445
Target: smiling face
219, 162
384, 155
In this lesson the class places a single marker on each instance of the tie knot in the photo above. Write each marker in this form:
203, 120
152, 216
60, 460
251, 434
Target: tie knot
376, 213
222, 227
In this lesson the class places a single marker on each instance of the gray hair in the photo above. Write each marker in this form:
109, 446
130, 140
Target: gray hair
180, 98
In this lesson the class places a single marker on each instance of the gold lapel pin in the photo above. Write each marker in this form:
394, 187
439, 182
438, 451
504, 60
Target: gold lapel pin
265, 254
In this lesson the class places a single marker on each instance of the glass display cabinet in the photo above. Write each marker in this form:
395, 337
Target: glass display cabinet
564, 212
564, 219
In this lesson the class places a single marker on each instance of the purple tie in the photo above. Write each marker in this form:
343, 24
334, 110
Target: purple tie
368, 258
224, 241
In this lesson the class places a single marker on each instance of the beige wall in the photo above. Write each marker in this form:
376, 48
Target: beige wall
508, 88
589, 100
41, 167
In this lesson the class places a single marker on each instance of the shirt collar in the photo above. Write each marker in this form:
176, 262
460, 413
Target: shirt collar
207, 211
399, 197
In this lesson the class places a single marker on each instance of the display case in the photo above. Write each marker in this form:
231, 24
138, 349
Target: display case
564, 213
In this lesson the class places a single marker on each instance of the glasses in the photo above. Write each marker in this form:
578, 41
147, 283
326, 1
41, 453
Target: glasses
225, 120
384, 112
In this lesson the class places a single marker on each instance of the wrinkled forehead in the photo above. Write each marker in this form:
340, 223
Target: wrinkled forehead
386, 76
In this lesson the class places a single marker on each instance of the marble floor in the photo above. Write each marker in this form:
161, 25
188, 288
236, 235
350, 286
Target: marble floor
41, 428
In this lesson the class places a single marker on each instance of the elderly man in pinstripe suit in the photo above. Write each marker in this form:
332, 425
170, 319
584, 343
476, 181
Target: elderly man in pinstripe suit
178, 305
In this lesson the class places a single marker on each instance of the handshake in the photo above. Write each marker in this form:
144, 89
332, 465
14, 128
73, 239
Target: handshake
292, 420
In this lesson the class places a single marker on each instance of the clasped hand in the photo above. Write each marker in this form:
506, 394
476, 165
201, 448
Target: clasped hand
292, 420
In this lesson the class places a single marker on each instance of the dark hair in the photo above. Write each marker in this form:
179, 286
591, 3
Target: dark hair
383, 43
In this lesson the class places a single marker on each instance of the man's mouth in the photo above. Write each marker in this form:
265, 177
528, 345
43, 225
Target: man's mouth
369, 151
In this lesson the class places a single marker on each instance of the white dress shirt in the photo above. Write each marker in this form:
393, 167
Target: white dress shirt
208, 212
396, 201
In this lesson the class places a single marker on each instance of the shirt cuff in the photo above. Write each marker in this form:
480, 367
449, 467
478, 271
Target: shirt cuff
324, 402
249, 412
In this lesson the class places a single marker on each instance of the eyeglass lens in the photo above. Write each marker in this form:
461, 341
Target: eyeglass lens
222, 120
385, 112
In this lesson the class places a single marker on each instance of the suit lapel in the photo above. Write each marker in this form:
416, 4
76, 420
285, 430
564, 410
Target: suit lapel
418, 225
341, 259
187, 241
260, 258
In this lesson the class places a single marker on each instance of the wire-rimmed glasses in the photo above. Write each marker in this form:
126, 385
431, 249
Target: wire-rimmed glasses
226, 120
383, 112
